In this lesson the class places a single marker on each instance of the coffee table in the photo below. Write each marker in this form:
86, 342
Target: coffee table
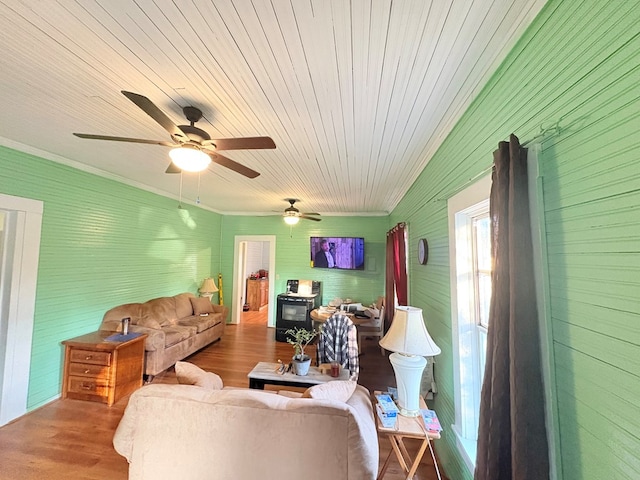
265, 373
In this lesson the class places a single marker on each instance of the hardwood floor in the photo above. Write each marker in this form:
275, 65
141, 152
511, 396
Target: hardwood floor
71, 439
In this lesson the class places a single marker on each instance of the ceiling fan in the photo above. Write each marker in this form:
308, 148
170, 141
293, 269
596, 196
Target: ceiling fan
193, 148
292, 215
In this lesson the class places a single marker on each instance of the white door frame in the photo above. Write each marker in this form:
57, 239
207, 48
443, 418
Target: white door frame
19, 270
238, 278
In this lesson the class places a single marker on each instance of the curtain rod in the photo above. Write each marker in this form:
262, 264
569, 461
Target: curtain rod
555, 128
396, 227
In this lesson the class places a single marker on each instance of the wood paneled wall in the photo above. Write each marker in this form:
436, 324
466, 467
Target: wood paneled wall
103, 243
577, 69
293, 255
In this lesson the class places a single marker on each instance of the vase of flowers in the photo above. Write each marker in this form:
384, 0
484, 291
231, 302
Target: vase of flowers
300, 338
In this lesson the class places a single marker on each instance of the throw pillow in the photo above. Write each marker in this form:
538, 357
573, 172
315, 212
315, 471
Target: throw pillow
340, 390
190, 374
201, 305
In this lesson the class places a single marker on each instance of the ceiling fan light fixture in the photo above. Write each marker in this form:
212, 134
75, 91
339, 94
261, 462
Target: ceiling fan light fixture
291, 219
189, 159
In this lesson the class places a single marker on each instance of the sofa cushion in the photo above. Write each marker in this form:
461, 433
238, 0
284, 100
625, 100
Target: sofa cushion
201, 323
289, 393
340, 390
190, 374
162, 309
176, 333
201, 305
149, 322
183, 304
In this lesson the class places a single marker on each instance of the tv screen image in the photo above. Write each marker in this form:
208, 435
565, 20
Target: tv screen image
346, 253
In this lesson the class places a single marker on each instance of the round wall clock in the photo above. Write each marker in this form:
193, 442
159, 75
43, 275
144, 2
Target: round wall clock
423, 251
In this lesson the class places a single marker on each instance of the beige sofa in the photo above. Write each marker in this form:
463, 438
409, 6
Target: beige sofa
176, 327
192, 433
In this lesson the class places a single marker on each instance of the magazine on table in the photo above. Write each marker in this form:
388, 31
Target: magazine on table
430, 419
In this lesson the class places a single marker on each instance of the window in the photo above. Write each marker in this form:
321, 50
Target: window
470, 259
481, 245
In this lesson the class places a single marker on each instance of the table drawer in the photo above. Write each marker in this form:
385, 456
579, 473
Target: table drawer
99, 372
89, 356
88, 386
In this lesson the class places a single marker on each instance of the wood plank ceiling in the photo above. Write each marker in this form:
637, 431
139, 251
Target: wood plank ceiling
357, 95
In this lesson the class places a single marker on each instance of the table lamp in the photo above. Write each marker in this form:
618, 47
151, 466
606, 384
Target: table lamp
208, 288
409, 340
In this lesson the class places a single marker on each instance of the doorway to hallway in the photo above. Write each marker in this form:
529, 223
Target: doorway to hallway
259, 317
21, 221
254, 264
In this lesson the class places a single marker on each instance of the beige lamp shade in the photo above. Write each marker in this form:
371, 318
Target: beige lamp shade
408, 334
208, 286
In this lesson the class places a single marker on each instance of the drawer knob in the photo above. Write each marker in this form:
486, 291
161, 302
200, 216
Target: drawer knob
87, 371
86, 386
88, 357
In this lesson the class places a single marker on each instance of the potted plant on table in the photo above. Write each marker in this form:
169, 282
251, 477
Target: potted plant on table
300, 338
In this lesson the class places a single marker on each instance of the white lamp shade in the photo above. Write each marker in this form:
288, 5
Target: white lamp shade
189, 159
208, 286
408, 334
409, 339
291, 220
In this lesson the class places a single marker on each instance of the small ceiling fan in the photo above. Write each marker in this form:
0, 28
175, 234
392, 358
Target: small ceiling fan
193, 148
292, 215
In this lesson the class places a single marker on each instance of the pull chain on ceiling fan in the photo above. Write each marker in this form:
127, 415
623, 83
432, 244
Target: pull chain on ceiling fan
193, 149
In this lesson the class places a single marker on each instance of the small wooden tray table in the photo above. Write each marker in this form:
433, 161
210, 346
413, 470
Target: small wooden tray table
407, 427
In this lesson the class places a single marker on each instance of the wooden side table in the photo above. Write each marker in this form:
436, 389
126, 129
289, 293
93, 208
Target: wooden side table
407, 427
99, 370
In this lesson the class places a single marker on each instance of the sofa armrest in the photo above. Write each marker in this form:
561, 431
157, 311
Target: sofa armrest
155, 338
364, 437
126, 430
223, 309
111, 326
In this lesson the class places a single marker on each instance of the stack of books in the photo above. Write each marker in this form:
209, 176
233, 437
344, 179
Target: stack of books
387, 410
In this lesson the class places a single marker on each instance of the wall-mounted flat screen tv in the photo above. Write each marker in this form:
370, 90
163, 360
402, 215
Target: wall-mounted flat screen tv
346, 253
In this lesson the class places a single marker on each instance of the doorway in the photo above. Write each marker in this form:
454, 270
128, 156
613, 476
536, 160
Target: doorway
253, 253
20, 227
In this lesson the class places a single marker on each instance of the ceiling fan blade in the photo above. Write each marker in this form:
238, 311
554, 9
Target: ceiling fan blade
310, 218
310, 213
154, 112
173, 168
235, 166
125, 139
243, 143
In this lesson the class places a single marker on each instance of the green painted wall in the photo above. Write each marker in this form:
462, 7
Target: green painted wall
293, 253
103, 244
578, 65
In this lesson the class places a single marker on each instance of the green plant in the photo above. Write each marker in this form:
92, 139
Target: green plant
300, 338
